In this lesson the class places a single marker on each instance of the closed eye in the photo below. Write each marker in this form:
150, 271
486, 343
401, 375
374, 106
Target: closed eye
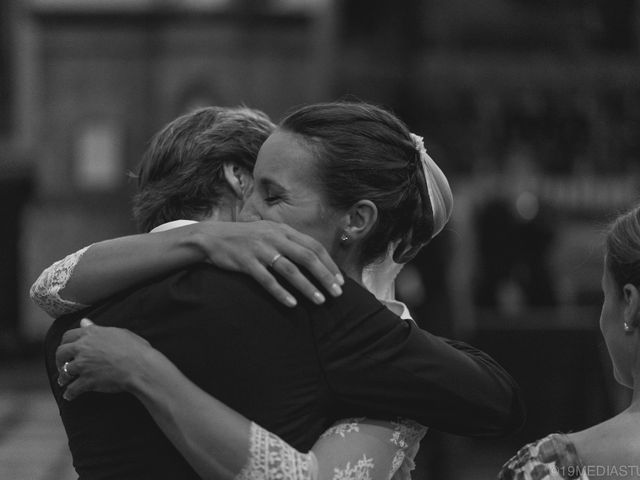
272, 199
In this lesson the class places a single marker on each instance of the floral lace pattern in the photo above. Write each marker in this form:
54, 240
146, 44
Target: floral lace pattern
271, 458
406, 436
397, 445
344, 427
360, 471
45, 292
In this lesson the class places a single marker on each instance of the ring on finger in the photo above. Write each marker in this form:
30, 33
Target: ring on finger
65, 376
275, 258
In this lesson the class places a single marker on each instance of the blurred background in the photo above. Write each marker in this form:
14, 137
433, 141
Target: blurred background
531, 107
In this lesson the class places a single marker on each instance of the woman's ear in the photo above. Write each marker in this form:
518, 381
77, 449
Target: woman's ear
239, 179
632, 305
360, 219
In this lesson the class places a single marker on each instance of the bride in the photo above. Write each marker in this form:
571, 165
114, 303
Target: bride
354, 178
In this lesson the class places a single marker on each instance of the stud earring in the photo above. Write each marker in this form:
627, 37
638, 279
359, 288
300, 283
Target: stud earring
344, 237
627, 328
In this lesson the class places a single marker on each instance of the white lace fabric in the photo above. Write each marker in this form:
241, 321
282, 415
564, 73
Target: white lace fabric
272, 458
352, 449
45, 291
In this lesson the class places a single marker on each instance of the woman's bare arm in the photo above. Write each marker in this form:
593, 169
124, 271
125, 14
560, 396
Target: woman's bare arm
216, 440
110, 266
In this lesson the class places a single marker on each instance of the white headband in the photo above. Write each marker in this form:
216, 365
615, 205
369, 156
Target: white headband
440, 194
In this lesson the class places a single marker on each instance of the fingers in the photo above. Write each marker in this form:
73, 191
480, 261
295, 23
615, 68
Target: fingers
269, 282
293, 275
85, 322
77, 387
318, 254
316, 261
73, 335
65, 374
307, 252
65, 353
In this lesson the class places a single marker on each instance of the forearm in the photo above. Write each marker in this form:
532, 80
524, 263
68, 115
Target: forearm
446, 385
213, 438
462, 390
494, 403
114, 265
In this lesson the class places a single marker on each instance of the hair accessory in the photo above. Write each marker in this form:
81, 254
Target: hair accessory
344, 237
275, 258
628, 328
440, 194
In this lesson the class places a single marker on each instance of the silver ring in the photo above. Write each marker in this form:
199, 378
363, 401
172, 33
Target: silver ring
275, 258
65, 369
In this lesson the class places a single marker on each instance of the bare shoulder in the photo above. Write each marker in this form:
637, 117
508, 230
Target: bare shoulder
610, 445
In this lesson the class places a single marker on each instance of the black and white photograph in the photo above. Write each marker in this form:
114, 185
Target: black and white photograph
320, 240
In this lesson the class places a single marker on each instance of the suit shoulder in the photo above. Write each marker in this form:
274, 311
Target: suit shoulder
356, 302
212, 286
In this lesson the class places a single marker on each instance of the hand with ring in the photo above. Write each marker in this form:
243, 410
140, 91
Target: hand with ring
64, 374
100, 359
261, 248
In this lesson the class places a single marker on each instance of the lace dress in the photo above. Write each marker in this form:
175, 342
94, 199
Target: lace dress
352, 449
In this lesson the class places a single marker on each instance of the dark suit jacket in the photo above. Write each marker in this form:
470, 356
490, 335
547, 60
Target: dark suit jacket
293, 371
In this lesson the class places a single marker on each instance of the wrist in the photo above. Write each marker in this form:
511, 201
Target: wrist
194, 242
144, 372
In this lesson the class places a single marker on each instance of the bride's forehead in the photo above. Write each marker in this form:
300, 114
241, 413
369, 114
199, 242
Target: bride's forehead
284, 152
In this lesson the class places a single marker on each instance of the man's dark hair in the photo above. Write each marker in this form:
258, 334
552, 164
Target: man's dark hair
181, 174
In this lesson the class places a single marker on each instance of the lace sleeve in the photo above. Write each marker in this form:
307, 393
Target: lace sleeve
365, 449
45, 292
271, 458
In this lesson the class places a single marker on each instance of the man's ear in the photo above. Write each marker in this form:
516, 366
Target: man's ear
632, 305
360, 219
238, 178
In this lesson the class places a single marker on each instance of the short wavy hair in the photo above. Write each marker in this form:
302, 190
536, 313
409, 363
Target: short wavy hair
181, 173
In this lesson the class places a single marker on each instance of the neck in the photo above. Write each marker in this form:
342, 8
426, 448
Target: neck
226, 209
635, 396
354, 273
347, 259
223, 212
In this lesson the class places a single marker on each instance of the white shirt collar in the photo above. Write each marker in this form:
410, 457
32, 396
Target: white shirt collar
172, 225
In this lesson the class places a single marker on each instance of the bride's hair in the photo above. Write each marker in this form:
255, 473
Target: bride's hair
366, 152
622, 248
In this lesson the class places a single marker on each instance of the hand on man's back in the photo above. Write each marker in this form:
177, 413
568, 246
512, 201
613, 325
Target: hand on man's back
263, 247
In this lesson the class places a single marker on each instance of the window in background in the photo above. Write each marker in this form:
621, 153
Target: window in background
98, 160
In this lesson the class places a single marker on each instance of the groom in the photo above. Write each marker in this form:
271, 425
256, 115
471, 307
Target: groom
292, 371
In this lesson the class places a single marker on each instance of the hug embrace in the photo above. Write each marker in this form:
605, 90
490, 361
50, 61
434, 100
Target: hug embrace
253, 332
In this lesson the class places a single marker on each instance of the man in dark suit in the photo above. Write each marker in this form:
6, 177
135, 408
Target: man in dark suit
293, 371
